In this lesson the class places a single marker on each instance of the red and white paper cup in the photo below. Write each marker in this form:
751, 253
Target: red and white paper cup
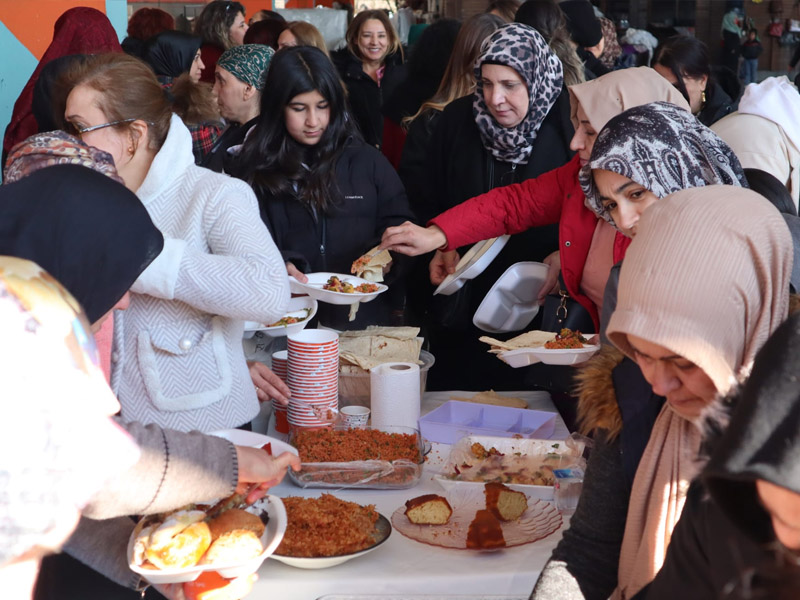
313, 377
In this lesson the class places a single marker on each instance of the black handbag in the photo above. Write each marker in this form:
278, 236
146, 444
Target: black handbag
561, 311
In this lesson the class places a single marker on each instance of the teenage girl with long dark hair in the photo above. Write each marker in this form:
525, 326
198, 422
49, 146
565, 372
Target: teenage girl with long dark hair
325, 194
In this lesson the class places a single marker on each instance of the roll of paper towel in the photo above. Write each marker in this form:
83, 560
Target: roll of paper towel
394, 394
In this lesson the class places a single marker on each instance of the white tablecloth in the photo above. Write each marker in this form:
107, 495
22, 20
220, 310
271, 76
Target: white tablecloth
403, 566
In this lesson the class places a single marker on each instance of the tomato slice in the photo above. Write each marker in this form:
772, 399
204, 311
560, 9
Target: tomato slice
208, 580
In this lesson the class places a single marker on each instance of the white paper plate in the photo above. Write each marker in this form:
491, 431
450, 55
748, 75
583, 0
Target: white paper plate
472, 264
271, 539
301, 306
316, 280
513, 301
529, 356
239, 437
324, 562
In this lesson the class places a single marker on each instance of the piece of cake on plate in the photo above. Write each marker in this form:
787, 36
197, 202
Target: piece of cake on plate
503, 502
429, 509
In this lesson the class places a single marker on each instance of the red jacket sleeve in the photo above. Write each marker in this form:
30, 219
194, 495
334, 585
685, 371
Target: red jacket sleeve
511, 209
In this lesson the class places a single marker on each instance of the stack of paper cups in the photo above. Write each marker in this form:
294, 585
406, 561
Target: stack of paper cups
313, 376
280, 368
394, 394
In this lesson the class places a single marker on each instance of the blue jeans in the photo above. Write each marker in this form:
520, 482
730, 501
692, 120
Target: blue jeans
749, 69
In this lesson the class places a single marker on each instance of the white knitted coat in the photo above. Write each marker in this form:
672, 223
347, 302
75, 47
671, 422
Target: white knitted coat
178, 358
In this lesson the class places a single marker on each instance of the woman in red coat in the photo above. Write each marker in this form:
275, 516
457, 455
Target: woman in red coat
588, 246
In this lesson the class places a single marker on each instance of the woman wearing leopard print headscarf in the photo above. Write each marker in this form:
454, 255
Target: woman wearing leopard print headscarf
514, 127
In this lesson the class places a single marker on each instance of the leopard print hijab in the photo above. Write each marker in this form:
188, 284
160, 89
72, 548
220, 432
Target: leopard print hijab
523, 49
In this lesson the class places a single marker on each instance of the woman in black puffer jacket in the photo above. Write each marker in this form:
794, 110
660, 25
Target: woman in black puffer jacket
325, 195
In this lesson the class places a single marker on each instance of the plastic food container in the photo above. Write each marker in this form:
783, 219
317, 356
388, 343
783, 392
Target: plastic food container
354, 382
520, 459
512, 303
454, 420
368, 474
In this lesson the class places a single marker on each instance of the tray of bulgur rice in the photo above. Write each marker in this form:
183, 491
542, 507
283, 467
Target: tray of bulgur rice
327, 531
385, 458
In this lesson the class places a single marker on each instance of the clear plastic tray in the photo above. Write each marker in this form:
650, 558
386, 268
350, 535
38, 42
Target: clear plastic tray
367, 474
454, 420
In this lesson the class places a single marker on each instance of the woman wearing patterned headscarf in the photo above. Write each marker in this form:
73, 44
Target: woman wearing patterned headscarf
513, 127
240, 75
649, 152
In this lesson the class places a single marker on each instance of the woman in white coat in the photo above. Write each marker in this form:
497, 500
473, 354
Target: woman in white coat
178, 358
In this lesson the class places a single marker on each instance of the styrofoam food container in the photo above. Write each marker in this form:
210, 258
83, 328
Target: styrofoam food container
297, 308
271, 539
454, 419
508, 446
512, 302
316, 280
472, 264
529, 356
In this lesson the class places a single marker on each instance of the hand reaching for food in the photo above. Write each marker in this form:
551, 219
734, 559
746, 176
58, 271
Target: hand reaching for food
268, 384
258, 470
413, 240
442, 264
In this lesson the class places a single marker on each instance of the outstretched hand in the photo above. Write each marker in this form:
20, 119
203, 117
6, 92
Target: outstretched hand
413, 240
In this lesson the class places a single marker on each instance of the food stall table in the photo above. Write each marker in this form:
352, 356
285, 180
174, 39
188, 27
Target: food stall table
402, 566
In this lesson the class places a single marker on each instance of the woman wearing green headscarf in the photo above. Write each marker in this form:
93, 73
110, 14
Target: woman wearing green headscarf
239, 80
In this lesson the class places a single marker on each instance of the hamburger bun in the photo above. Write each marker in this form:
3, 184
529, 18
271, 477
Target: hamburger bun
237, 546
234, 519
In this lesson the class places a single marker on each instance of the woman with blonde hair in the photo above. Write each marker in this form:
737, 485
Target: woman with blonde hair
300, 33
458, 81
179, 361
368, 67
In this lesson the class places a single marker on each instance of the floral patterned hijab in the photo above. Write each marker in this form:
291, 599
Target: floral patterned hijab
663, 148
523, 49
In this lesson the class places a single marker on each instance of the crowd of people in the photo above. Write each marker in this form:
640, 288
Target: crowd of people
160, 192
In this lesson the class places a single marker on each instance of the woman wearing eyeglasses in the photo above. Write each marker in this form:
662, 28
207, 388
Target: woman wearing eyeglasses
178, 359
515, 126
222, 25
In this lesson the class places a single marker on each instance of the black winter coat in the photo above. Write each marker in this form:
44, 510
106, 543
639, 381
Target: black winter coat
365, 96
718, 104
371, 198
458, 168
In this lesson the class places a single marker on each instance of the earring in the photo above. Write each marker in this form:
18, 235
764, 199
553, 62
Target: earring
131, 150
703, 97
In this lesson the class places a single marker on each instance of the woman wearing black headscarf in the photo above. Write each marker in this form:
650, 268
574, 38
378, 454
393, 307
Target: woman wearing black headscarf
175, 58
84, 228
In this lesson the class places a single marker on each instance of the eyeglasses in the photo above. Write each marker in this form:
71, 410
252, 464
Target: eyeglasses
82, 130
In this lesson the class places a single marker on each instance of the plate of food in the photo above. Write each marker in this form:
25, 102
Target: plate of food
564, 348
525, 465
472, 264
327, 531
298, 314
337, 288
229, 538
338, 457
487, 518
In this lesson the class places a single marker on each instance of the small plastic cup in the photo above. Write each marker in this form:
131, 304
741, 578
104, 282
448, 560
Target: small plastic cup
567, 489
354, 416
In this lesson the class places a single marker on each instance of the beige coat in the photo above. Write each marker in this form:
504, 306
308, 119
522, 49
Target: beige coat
762, 144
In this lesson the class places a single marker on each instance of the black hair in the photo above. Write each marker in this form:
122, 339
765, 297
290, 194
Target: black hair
772, 189
685, 56
271, 160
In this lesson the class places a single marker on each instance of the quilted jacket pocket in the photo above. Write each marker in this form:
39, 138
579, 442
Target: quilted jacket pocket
185, 365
